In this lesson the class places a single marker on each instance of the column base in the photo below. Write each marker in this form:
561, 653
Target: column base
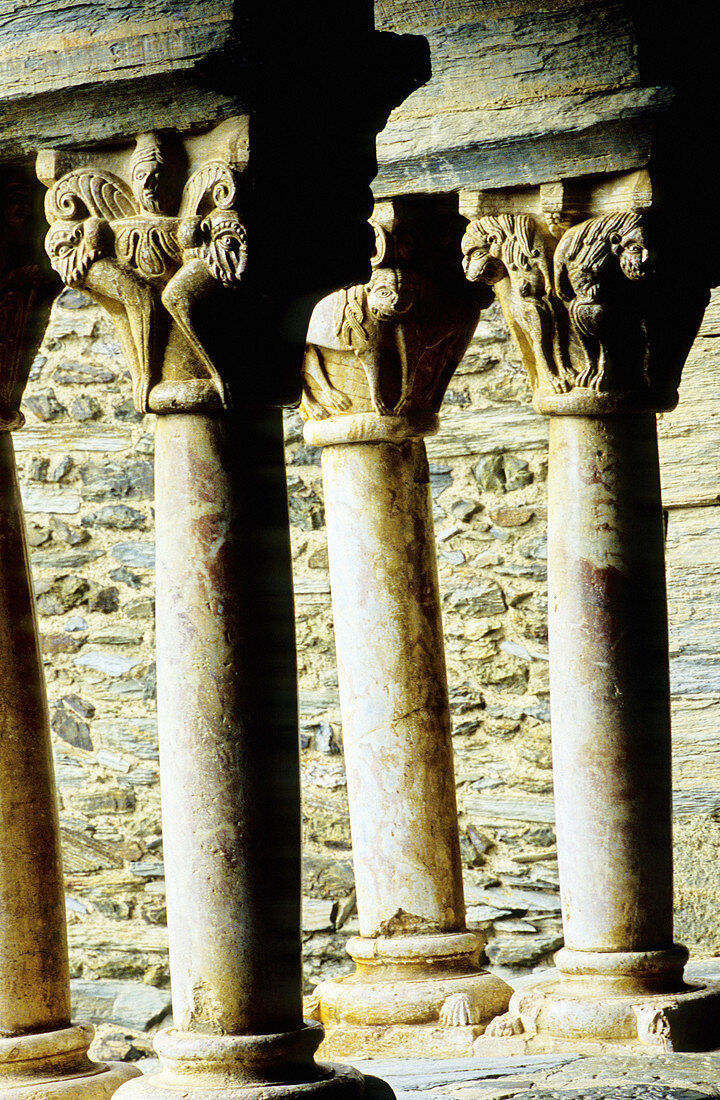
410, 995
198, 1066
54, 1065
609, 1001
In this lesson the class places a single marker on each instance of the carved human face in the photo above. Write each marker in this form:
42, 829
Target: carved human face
480, 266
633, 254
145, 179
388, 293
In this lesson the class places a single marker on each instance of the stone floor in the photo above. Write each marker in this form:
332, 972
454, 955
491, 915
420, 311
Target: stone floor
553, 1077
566, 1076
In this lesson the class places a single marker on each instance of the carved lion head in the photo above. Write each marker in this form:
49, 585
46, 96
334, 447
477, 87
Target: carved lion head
73, 247
225, 249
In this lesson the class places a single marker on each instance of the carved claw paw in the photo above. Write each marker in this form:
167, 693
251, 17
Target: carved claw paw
558, 384
586, 377
336, 399
311, 1005
401, 405
141, 394
311, 408
379, 405
458, 1010
504, 1027
653, 1026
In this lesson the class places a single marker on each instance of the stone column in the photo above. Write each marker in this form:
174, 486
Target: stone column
378, 361
585, 315
172, 275
41, 1052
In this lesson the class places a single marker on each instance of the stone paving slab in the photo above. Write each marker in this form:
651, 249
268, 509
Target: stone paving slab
556, 1077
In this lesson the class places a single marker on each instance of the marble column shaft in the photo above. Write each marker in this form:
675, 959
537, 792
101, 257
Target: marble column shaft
170, 263
378, 360
34, 973
609, 683
393, 688
586, 309
227, 707
41, 1052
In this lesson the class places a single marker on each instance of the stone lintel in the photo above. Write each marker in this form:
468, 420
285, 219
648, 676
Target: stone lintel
137, 66
520, 145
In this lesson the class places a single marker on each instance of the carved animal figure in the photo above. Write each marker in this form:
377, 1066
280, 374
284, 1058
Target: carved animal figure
83, 254
214, 251
364, 319
511, 253
114, 241
594, 262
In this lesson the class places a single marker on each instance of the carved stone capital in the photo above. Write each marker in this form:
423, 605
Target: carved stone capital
151, 232
24, 299
579, 304
380, 355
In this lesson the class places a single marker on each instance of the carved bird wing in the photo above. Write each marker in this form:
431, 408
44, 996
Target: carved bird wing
212, 185
87, 192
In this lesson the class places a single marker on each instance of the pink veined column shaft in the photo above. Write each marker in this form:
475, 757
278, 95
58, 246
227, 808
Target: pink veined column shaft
34, 976
610, 693
228, 724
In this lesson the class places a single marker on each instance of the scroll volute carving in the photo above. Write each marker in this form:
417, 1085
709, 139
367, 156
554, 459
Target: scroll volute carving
26, 293
390, 346
577, 307
119, 232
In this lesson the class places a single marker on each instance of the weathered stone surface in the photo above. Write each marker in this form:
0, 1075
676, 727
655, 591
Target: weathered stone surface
84, 408
485, 598
119, 516
140, 555
523, 950
62, 594
59, 643
318, 915
82, 374
44, 405
112, 664
106, 600
111, 479
71, 728
136, 737
50, 498
66, 437
71, 559
130, 1004
71, 536
566, 99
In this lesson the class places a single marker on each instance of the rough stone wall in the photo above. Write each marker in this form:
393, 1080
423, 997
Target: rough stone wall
86, 467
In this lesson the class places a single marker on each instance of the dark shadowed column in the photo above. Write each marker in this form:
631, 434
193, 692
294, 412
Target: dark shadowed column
41, 1052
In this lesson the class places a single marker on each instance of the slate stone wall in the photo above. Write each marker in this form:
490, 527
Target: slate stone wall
86, 461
